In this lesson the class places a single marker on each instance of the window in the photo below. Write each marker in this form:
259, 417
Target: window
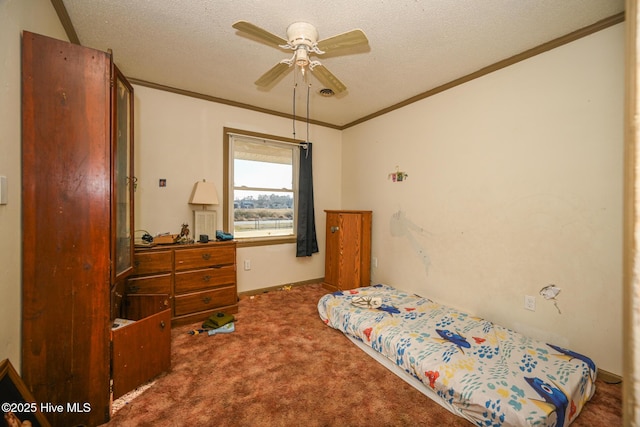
262, 173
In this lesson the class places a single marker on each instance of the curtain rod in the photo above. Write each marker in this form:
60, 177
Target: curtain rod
299, 144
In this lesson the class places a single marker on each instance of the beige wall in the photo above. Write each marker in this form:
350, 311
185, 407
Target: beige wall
515, 182
15, 15
179, 138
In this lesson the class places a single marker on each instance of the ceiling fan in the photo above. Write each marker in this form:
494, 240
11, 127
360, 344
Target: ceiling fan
302, 38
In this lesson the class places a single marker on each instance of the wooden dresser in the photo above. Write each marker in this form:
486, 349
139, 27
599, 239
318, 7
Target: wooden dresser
199, 278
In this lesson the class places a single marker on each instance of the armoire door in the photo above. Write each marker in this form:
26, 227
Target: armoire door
123, 179
66, 208
141, 350
349, 246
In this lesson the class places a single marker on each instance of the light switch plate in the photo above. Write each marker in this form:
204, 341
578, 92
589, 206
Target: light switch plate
3, 190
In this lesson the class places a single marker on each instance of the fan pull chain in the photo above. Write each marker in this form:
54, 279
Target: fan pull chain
294, 110
306, 154
308, 90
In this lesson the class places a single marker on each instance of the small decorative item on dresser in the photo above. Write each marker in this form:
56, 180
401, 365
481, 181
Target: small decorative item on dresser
184, 235
222, 236
165, 239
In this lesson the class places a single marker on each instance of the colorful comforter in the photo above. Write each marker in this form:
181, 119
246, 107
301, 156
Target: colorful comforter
486, 373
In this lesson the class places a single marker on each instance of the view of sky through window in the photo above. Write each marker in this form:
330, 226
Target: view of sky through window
261, 175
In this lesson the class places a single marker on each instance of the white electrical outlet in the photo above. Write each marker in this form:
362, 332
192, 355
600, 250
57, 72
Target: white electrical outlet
247, 264
374, 261
530, 302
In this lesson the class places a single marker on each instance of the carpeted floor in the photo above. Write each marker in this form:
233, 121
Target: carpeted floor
284, 367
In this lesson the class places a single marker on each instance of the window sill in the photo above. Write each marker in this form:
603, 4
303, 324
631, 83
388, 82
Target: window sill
264, 241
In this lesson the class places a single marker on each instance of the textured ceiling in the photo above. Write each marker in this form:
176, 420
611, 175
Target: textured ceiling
414, 46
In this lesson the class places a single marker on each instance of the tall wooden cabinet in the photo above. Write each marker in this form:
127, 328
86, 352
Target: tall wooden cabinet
348, 252
77, 222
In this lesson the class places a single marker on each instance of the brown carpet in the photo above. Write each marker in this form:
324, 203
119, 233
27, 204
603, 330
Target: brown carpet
284, 367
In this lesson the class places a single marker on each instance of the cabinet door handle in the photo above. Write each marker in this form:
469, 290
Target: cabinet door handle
206, 300
206, 256
206, 278
334, 229
162, 324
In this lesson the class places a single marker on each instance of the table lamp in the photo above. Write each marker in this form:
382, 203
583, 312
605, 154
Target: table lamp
204, 221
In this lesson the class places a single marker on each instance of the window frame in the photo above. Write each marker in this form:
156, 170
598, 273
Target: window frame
228, 188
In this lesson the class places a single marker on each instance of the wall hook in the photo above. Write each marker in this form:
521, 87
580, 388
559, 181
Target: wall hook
397, 176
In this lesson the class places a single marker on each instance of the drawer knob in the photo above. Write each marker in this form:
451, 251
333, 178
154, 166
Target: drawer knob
206, 256
206, 278
334, 229
162, 324
206, 300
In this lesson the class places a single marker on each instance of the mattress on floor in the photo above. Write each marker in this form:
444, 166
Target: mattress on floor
486, 373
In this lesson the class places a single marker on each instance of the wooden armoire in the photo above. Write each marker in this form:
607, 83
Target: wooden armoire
348, 251
77, 215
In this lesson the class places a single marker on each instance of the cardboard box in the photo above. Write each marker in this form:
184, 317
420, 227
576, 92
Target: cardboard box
165, 239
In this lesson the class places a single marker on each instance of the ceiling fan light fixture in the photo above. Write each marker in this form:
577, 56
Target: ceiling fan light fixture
302, 33
302, 38
302, 57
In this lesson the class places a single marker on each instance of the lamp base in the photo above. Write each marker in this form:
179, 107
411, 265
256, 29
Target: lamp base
204, 223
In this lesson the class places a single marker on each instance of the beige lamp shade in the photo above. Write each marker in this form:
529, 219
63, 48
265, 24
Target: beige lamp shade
204, 193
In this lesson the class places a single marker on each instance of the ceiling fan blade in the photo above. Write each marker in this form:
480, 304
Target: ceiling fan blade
270, 76
328, 79
264, 35
348, 39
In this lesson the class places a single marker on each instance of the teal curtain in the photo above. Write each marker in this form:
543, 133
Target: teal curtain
307, 243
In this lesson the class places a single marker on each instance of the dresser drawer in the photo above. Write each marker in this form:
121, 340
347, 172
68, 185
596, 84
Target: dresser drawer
159, 284
152, 262
190, 281
206, 300
188, 259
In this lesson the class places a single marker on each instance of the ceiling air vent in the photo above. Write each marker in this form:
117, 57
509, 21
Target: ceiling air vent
326, 92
